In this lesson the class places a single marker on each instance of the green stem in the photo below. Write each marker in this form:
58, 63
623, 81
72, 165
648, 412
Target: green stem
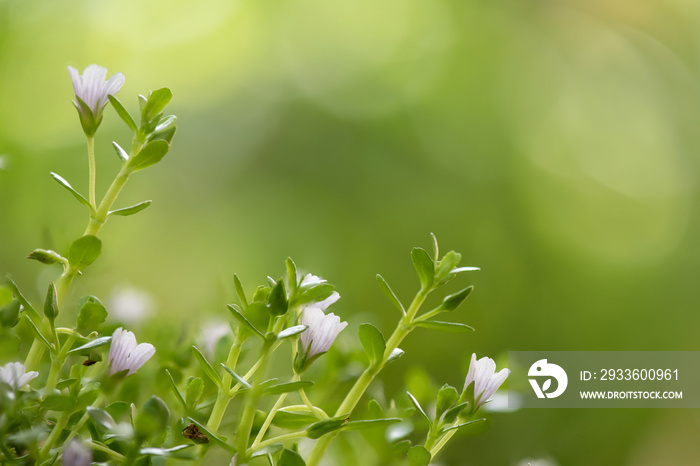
268, 419
251, 404
105, 449
92, 169
273, 440
441, 443
355, 394
57, 364
224, 396
317, 411
53, 436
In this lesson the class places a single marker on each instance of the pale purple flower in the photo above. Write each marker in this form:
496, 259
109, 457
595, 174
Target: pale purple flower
125, 354
93, 87
323, 305
486, 380
76, 454
321, 332
15, 375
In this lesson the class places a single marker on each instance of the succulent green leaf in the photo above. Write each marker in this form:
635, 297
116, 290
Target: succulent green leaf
101, 417
447, 396
425, 267
153, 418
88, 394
451, 327
453, 301
316, 293
419, 408
28, 308
123, 113
239, 291
373, 343
75, 193
84, 251
65, 383
452, 413
446, 264
277, 299
436, 248
121, 153
320, 428
156, 103
177, 393
96, 343
292, 281
390, 294
237, 377
37, 334
91, 313
9, 313
131, 210
195, 387
245, 323
151, 154
293, 420
290, 458
396, 353
291, 331
56, 402
206, 367
418, 456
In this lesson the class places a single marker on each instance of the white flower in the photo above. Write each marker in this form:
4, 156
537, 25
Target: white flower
486, 380
92, 88
321, 332
125, 354
15, 375
76, 454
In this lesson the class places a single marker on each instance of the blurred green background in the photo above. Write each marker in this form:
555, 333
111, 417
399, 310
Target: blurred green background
553, 143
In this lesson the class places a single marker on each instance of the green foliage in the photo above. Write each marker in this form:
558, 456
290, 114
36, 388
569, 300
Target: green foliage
151, 154
373, 342
131, 210
84, 251
418, 456
91, 313
425, 267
